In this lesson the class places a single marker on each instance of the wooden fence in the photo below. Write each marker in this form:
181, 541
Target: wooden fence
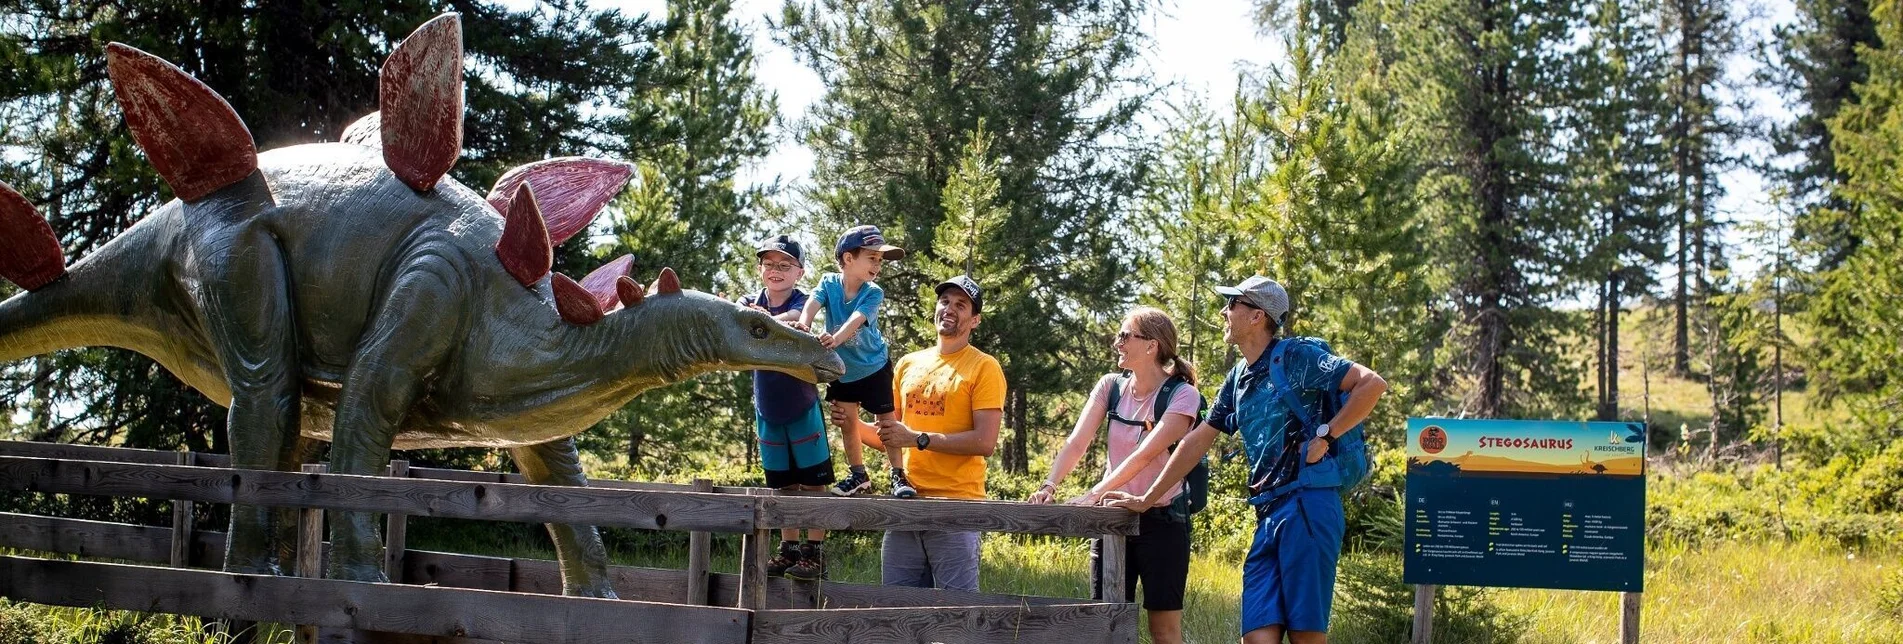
446, 597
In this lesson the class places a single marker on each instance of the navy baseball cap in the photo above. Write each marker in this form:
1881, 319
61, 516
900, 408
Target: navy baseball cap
969, 286
783, 244
867, 237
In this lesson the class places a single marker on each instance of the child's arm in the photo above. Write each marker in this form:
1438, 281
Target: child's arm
847, 330
809, 312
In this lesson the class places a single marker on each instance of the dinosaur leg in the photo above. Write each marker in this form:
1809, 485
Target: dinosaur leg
584, 560
402, 348
247, 306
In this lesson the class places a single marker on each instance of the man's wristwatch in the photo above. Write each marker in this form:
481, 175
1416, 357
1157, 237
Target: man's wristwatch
924, 440
1323, 433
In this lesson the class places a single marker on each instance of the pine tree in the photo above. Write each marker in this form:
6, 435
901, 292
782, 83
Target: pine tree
907, 84
1859, 338
704, 118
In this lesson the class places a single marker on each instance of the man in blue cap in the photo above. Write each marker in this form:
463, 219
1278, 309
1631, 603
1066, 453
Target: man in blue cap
1288, 579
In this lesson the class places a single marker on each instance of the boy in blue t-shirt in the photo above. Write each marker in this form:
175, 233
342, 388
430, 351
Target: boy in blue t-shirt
851, 301
792, 435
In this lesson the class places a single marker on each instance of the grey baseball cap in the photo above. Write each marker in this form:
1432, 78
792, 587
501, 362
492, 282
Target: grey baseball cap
1262, 293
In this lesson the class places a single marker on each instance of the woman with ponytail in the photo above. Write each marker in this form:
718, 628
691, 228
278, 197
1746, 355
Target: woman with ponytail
1142, 429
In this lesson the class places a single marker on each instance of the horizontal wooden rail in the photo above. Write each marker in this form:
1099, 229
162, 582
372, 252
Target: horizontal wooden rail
1076, 623
393, 608
486, 501
147, 544
443, 493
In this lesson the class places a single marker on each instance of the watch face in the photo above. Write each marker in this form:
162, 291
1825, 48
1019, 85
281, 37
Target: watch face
1321, 431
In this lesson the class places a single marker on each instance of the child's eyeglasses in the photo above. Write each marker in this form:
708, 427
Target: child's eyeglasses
779, 267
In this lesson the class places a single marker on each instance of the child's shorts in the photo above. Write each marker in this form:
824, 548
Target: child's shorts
795, 453
873, 393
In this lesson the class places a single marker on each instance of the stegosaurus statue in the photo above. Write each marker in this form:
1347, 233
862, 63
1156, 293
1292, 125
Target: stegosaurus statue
352, 292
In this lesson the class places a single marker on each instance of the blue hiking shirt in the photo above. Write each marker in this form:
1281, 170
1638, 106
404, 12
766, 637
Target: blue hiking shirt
1250, 405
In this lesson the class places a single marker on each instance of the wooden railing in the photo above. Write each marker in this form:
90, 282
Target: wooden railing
474, 598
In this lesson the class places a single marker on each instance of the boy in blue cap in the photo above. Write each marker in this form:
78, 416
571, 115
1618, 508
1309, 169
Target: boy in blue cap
851, 300
1288, 579
793, 451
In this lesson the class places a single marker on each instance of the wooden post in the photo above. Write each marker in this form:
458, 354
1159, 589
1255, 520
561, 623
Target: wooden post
395, 532
699, 555
1110, 582
753, 556
310, 550
1423, 613
182, 524
1629, 618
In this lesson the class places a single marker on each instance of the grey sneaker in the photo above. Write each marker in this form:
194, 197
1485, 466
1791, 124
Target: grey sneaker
854, 483
811, 566
901, 487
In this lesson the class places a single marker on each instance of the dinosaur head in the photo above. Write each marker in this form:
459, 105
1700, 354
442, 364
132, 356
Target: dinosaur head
751, 340
694, 333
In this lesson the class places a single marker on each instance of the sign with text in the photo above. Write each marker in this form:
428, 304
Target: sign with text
1525, 504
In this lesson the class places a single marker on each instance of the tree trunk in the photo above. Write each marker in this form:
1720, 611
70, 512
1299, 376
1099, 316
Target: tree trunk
1016, 452
1681, 170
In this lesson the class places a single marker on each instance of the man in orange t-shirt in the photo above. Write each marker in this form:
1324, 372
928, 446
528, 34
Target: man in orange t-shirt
950, 402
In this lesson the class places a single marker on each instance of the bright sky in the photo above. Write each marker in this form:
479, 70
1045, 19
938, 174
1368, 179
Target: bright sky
1199, 46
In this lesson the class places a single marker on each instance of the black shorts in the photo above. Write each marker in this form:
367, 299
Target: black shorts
873, 393
1158, 556
817, 475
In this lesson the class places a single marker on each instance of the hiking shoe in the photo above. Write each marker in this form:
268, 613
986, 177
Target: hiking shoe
854, 483
789, 556
901, 487
811, 566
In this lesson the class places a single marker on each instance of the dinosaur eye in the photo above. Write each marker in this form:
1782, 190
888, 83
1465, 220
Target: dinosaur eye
759, 331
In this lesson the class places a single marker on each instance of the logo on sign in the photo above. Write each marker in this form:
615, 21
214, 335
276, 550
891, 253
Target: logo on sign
1433, 439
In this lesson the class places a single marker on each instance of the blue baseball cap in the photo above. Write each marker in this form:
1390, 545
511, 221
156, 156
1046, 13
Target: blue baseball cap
867, 237
783, 244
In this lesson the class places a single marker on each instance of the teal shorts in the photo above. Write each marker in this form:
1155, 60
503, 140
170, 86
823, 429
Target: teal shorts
795, 453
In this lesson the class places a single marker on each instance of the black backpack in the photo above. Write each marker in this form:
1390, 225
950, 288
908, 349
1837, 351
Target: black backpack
1195, 494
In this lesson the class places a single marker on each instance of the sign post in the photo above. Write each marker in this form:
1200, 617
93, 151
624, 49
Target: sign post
1525, 504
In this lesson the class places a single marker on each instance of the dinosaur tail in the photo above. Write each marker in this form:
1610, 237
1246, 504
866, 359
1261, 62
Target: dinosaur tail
62, 309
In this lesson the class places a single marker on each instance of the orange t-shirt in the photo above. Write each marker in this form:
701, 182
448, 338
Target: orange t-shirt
937, 394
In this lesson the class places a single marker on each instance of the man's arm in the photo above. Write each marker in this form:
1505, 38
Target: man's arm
982, 440
1187, 455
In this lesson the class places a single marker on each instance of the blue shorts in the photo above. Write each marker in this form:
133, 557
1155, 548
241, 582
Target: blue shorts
795, 453
1288, 579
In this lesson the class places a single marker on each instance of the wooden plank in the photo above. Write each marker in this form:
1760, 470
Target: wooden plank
753, 557
1629, 604
1110, 581
87, 538
837, 595
700, 547
871, 513
310, 551
396, 531
393, 608
1079, 623
449, 570
182, 524
1423, 614
486, 501
346, 636
111, 454
150, 545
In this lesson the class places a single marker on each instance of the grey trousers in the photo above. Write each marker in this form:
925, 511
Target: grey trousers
931, 559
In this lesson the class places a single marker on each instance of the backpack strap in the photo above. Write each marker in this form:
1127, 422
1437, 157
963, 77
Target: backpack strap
1278, 376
